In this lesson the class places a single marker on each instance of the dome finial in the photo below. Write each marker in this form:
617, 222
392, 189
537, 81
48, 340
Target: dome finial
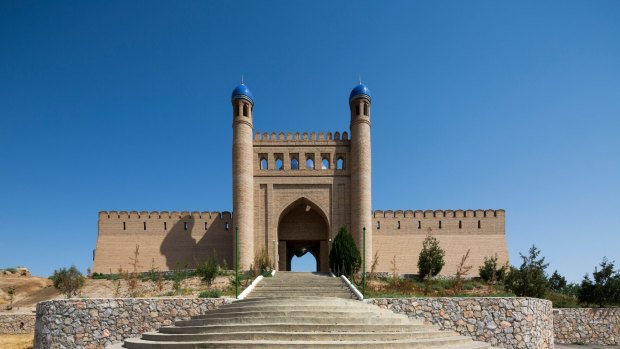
242, 79
359, 79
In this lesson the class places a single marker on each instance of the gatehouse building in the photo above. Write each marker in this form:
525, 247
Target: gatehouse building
291, 194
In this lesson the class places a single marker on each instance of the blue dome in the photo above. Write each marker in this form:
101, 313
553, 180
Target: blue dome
242, 91
359, 91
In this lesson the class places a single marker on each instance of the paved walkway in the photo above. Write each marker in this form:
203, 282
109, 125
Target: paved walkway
575, 346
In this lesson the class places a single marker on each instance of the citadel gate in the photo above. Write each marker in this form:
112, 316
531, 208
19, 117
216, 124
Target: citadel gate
302, 229
292, 192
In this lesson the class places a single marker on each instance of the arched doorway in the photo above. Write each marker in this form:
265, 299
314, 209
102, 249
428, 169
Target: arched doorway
302, 229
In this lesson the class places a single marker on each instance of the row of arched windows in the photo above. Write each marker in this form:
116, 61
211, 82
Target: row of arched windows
279, 165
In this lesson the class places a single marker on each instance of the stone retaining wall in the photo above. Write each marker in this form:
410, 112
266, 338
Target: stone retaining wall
587, 326
97, 323
16, 323
513, 323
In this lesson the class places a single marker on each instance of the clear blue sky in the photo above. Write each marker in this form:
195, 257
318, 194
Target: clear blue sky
125, 105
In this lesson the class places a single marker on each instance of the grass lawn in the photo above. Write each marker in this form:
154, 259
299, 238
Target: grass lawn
16, 341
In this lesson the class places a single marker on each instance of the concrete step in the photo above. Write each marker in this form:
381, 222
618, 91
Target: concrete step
333, 320
455, 342
294, 336
294, 313
343, 327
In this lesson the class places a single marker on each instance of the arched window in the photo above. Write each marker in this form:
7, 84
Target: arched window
365, 109
236, 109
357, 109
245, 110
460, 225
294, 164
309, 164
279, 164
263, 164
340, 164
325, 164
206, 226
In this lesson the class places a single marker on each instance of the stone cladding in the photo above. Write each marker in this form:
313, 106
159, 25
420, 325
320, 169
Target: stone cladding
16, 323
600, 326
97, 323
504, 322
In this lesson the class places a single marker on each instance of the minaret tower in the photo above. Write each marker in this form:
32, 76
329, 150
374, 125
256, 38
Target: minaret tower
361, 209
243, 173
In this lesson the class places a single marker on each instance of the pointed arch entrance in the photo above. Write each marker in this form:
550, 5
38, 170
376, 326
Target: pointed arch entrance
303, 228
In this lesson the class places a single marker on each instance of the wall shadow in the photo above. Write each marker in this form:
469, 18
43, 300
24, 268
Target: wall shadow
188, 243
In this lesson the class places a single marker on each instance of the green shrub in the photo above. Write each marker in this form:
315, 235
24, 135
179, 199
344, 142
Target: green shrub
68, 281
430, 261
557, 282
490, 272
208, 270
344, 257
560, 300
210, 294
529, 280
604, 289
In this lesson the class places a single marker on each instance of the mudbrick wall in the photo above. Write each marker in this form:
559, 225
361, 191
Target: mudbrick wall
16, 323
504, 322
587, 326
97, 323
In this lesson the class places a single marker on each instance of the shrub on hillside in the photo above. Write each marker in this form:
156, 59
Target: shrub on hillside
604, 289
208, 270
210, 294
68, 281
529, 280
344, 257
490, 271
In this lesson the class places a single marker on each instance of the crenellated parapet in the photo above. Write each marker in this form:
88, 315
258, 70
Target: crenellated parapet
438, 213
301, 137
439, 221
146, 215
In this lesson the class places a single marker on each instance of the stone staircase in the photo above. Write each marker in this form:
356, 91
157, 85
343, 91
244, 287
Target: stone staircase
300, 310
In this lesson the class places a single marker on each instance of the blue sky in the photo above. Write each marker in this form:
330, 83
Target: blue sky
123, 105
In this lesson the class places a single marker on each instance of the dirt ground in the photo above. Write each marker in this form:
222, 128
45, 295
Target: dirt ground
29, 290
16, 341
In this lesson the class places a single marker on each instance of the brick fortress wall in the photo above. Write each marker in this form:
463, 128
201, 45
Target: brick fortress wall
400, 234
167, 240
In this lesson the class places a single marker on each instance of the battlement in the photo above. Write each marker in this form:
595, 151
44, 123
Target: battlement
301, 137
439, 213
143, 215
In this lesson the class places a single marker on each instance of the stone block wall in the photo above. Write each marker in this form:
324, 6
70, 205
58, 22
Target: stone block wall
97, 323
16, 323
587, 326
513, 323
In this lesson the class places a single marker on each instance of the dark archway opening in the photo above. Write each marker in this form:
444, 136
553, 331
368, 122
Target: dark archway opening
303, 229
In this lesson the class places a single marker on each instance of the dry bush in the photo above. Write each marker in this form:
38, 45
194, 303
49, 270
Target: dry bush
461, 271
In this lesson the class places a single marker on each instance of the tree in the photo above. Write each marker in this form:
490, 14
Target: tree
529, 280
344, 257
68, 281
557, 282
490, 272
431, 260
605, 289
